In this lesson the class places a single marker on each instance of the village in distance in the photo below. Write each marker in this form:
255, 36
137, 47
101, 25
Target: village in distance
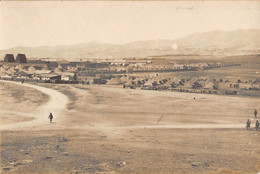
174, 73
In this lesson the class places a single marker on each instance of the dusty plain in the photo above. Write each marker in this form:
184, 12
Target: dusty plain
108, 129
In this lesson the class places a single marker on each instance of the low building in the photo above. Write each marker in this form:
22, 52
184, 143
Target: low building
6, 77
22, 74
67, 76
99, 81
50, 77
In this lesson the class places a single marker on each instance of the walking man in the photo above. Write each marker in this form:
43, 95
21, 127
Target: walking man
50, 117
256, 125
248, 124
255, 113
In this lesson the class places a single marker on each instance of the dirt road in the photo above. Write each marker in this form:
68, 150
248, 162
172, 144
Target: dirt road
56, 104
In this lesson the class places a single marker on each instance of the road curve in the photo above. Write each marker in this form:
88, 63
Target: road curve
56, 104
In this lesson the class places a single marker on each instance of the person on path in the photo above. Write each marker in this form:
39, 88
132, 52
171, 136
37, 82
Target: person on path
255, 113
50, 117
248, 124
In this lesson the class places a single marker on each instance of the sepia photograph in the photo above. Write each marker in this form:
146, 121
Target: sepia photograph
107, 87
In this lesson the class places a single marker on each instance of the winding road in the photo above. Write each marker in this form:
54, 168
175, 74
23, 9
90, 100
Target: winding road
56, 104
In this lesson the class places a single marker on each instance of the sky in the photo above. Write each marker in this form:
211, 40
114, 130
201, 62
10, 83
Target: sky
47, 23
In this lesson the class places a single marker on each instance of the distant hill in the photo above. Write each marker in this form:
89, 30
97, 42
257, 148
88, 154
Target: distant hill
222, 42
214, 42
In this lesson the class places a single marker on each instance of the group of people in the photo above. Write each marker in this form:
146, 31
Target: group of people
248, 123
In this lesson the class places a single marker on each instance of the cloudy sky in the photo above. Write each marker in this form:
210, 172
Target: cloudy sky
34, 23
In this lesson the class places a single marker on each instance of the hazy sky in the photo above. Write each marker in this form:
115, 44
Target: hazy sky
66, 22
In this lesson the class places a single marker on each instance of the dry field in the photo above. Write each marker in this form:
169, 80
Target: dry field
105, 129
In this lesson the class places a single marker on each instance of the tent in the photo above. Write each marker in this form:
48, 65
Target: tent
58, 70
19, 67
124, 79
6, 67
11, 70
115, 81
31, 70
149, 82
2, 70
168, 83
208, 85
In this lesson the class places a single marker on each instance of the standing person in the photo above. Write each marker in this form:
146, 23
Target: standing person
248, 124
256, 125
50, 117
255, 113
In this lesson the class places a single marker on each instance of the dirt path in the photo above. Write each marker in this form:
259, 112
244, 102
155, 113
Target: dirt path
56, 104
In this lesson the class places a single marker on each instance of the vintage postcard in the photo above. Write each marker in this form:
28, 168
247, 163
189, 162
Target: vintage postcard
129, 87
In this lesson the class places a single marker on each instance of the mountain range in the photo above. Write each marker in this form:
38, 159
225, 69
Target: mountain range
237, 42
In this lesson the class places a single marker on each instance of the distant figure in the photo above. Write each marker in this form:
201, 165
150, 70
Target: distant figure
248, 124
255, 113
22, 81
50, 117
256, 125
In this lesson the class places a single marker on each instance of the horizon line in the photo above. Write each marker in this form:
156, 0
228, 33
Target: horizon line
123, 43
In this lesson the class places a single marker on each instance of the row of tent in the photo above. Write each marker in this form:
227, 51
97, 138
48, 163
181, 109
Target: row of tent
152, 81
28, 70
174, 82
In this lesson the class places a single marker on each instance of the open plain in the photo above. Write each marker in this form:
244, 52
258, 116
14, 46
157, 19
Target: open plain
107, 129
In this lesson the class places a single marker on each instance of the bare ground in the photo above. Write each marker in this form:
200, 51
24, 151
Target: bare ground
112, 130
18, 102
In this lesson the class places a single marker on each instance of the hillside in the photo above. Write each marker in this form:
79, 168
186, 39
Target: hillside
220, 42
214, 42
